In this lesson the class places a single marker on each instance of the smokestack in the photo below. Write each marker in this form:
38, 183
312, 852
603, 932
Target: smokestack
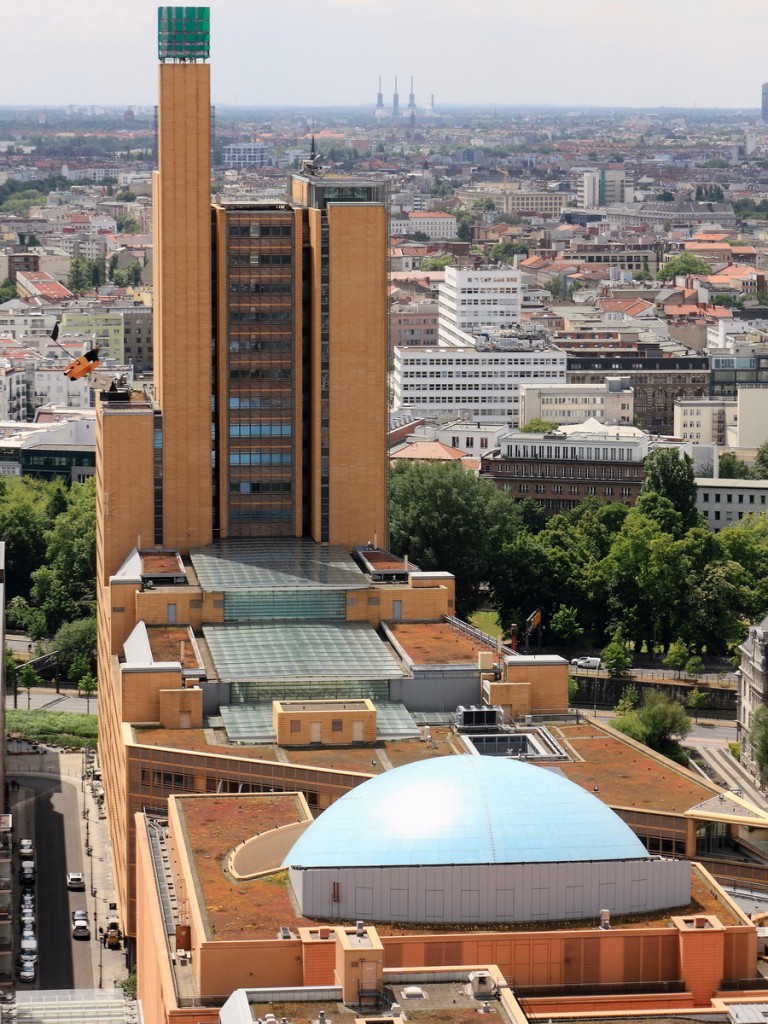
379, 97
411, 97
395, 101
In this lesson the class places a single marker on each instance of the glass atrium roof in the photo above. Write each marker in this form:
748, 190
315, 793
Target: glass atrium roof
465, 810
270, 564
263, 651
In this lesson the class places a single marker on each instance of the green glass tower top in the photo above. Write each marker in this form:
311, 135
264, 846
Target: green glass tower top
183, 33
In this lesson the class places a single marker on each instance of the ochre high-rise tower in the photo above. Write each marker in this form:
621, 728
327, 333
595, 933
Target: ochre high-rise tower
182, 277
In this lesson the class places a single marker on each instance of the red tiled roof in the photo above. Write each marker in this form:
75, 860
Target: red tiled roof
428, 451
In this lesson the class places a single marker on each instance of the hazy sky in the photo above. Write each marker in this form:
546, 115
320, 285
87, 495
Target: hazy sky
315, 52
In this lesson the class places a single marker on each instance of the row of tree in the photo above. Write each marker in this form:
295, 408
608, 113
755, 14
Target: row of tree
50, 561
645, 577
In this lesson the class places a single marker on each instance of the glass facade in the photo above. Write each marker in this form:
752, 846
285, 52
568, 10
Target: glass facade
183, 33
261, 357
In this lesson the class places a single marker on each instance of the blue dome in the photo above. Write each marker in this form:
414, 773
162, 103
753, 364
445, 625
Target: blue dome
465, 810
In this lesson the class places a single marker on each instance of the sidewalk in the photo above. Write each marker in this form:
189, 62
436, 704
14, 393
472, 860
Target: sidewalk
108, 965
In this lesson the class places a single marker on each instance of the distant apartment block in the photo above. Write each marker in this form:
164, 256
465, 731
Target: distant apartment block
704, 420
737, 364
600, 187
657, 380
412, 323
106, 330
611, 402
435, 225
508, 199
726, 501
240, 155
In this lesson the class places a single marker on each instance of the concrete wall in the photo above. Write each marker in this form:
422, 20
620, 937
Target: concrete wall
493, 893
438, 688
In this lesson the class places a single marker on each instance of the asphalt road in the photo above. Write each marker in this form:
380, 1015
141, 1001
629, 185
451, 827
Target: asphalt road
64, 962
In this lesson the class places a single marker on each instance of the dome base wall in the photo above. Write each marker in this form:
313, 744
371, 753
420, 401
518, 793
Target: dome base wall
491, 893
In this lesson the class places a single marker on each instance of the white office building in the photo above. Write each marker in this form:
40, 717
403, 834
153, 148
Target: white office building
477, 382
474, 301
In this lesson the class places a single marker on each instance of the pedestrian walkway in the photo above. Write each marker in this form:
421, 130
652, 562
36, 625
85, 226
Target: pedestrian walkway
727, 768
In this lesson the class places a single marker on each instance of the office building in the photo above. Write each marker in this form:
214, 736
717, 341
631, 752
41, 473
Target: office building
478, 381
472, 301
602, 187
560, 468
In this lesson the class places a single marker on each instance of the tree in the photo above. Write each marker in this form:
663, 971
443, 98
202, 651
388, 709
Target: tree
658, 723
505, 252
538, 426
75, 643
79, 279
696, 700
63, 588
11, 668
87, 685
27, 679
731, 467
760, 465
671, 475
694, 666
758, 736
663, 719
616, 657
444, 518
564, 625
127, 225
677, 656
682, 266
437, 262
554, 286
7, 290
627, 701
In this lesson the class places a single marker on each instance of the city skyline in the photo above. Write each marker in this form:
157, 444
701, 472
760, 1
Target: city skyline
593, 54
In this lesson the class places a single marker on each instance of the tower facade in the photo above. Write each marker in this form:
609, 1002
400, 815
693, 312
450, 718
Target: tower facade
764, 107
300, 367
182, 278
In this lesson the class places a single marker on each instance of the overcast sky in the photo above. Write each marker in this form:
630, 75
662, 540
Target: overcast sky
318, 52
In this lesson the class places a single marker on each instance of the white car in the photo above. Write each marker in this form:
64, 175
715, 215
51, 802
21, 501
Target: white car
26, 849
27, 970
80, 927
28, 944
76, 881
586, 662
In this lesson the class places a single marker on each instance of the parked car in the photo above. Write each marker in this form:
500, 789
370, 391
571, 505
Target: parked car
28, 919
27, 970
28, 944
26, 849
80, 927
76, 881
586, 662
27, 873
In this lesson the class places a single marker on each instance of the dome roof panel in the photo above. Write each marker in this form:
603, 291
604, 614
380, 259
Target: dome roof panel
465, 810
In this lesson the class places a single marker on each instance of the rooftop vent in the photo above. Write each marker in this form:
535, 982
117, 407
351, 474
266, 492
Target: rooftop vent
605, 919
360, 929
